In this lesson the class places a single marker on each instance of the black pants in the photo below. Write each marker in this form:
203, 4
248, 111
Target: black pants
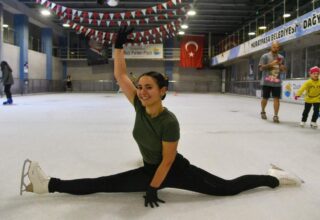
7, 91
307, 107
182, 175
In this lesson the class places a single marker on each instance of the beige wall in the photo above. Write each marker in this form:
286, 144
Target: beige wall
11, 55
37, 65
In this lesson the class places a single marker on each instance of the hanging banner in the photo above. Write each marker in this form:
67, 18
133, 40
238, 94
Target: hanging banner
145, 51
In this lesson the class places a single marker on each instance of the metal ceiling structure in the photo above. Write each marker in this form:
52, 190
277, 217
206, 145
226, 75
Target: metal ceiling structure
215, 16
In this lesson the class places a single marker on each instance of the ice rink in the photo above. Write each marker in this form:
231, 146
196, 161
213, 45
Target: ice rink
90, 135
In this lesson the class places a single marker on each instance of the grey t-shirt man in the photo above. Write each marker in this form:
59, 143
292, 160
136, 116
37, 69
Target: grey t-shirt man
271, 77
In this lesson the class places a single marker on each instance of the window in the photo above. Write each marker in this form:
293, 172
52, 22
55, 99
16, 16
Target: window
298, 63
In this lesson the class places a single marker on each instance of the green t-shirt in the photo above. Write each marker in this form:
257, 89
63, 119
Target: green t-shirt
150, 132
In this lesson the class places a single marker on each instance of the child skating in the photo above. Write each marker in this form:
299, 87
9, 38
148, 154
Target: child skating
312, 97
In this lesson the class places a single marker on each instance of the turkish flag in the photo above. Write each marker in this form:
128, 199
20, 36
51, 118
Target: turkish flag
191, 51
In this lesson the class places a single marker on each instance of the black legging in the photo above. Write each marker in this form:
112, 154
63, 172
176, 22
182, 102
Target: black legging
7, 91
182, 176
307, 107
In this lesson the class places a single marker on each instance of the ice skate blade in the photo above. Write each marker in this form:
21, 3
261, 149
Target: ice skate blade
24, 174
278, 168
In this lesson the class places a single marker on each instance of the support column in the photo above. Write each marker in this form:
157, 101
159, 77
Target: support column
21, 39
46, 47
1, 32
63, 44
169, 63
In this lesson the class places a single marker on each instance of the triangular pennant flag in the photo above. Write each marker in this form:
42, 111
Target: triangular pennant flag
101, 15
166, 15
122, 15
72, 17
156, 18
107, 23
111, 15
53, 5
111, 36
63, 9
147, 37
89, 21
183, 9
81, 19
165, 5
133, 14
150, 31
142, 34
43, 1
96, 33
128, 22
147, 20
144, 11
134, 35
174, 2
90, 14
158, 29
99, 22
79, 13
74, 25
154, 8
103, 35
138, 22
119, 23
174, 12
74, 12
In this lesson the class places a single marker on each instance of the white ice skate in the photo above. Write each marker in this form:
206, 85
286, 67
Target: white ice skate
39, 181
314, 125
284, 177
302, 124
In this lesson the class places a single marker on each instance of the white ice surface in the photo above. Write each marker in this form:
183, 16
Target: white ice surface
89, 135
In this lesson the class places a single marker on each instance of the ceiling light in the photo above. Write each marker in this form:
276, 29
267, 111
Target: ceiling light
113, 3
181, 33
286, 15
262, 28
184, 26
251, 33
66, 25
191, 12
5, 25
45, 12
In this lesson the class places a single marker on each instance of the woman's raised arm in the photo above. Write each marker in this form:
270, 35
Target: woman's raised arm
120, 68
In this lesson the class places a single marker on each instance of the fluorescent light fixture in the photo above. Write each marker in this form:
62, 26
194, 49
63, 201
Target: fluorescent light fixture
184, 26
112, 3
262, 28
181, 33
191, 12
5, 25
286, 15
45, 12
251, 33
66, 25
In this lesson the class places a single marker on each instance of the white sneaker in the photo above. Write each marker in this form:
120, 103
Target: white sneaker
314, 125
284, 177
302, 124
38, 179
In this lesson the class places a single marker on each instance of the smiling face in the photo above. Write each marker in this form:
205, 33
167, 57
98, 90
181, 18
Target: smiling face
149, 92
314, 75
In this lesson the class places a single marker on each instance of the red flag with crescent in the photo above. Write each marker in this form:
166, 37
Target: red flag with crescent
191, 51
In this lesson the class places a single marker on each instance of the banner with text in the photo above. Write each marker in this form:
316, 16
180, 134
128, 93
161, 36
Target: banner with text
145, 51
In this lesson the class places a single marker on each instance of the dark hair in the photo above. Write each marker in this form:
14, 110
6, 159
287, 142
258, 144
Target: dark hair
161, 80
5, 64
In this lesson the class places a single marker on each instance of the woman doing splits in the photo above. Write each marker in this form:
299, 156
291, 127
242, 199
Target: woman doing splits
156, 131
